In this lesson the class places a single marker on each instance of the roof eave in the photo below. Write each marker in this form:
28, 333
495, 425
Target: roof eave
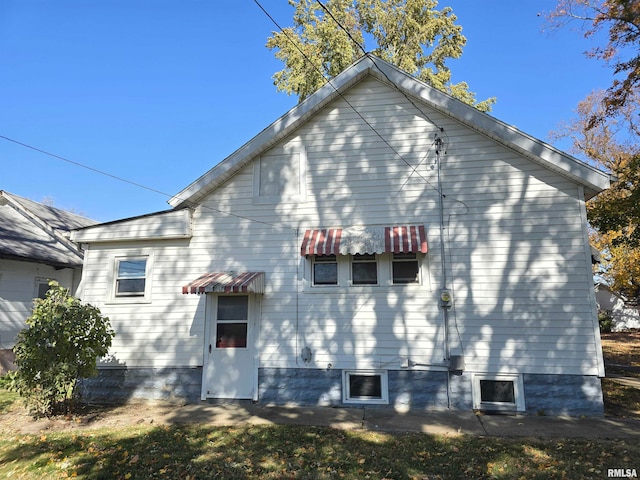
592, 179
270, 135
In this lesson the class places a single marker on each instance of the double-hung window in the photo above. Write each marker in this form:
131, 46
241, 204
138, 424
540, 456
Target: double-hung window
364, 269
325, 270
131, 277
405, 268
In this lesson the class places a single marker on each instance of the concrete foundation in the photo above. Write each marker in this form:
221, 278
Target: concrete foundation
413, 390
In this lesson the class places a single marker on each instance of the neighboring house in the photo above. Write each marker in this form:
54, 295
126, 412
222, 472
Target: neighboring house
624, 316
320, 264
34, 249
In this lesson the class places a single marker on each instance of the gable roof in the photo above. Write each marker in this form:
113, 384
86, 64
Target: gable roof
33, 232
592, 179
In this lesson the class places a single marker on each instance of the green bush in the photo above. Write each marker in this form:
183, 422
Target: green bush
605, 320
61, 344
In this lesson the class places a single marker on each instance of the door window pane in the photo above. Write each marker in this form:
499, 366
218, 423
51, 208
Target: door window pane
233, 307
231, 335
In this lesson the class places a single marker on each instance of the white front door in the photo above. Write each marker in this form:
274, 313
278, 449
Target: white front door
229, 367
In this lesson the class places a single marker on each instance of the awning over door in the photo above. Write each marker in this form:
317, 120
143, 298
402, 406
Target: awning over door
360, 240
227, 282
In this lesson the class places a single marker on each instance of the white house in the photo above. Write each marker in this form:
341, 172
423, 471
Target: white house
34, 249
624, 316
380, 243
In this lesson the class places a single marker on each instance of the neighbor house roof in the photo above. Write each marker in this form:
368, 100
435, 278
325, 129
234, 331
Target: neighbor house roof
592, 179
33, 232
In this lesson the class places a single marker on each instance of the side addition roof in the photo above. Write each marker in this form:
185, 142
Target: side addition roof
592, 179
33, 232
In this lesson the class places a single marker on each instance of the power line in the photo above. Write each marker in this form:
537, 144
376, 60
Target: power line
86, 167
135, 184
384, 140
342, 27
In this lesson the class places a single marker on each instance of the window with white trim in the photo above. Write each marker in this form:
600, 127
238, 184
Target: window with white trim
42, 287
365, 386
131, 277
498, 392
232, 321
131, 274
364, 269
325, 270
405, 268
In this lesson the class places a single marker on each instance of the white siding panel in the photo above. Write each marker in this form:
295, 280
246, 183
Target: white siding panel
172, 224
513, 251
18, 288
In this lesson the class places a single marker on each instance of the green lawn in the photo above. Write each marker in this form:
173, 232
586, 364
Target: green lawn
293, 452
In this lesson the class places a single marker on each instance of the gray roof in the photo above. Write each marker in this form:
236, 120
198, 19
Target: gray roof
33, 232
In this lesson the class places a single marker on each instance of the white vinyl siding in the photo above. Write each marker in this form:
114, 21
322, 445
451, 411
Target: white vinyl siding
19, 282
514, 251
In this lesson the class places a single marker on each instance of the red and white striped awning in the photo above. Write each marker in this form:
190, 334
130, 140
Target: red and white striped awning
226, 282
360, 240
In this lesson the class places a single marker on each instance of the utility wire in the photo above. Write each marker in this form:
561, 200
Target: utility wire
135, 184
86, 167
342, 27
373, 129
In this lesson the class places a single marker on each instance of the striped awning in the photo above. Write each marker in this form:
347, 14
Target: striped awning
360, 240
227, 282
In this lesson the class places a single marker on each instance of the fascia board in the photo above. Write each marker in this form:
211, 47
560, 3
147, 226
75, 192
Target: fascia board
145, 227
591, 178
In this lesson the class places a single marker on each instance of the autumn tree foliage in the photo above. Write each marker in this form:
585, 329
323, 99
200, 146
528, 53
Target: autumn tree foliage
328, 37
614, 215
621, 20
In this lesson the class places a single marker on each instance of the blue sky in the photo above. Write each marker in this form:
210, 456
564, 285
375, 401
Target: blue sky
159, 91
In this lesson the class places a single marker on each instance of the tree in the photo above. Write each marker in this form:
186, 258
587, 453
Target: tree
411, 34
622, 51
614, 214
61, 345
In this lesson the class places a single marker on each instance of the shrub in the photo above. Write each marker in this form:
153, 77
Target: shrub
61, 344
605, 320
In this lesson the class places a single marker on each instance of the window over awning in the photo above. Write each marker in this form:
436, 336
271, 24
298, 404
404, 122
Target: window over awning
361, 240
227, 282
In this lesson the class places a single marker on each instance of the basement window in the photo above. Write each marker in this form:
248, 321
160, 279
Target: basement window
498, 393
363, 386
